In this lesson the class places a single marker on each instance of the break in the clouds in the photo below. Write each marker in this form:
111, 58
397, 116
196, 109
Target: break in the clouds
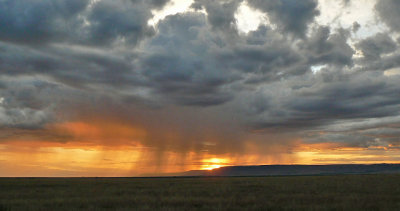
196, 80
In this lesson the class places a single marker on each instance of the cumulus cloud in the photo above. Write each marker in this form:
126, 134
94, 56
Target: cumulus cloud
373, 47
220, 14
290, 16
325, 47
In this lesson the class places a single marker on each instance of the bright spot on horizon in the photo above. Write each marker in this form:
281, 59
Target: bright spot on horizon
214, 163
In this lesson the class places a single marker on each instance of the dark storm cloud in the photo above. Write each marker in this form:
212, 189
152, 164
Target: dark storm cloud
314, 101
373, 47
77, 21
265, 55
113, 20
157, 3
366, 133
66, 64
383, 64
325, 47
344, 100
65, 56
356, 27
39, 21
290, 15
179, 63
24, 103
379, 51
388, 11
221, 14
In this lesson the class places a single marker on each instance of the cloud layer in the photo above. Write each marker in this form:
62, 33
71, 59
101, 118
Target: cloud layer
195, 81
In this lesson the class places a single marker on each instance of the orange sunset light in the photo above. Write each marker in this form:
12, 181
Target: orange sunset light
213, 163
112, 148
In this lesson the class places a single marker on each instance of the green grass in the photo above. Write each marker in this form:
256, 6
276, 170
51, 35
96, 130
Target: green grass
344, 192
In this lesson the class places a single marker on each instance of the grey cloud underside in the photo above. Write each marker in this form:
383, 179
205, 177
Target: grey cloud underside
59, 53
76, 21
23, 103
388, 11
39, 21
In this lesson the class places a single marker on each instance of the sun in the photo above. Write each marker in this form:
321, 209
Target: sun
213, 163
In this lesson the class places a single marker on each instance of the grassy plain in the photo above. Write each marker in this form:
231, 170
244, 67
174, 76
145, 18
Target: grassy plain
342, 192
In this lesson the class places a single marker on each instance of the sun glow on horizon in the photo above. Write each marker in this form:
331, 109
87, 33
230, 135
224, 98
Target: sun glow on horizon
214, 163
112, 148
80, 159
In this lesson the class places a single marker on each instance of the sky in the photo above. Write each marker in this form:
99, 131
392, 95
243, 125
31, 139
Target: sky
152, 87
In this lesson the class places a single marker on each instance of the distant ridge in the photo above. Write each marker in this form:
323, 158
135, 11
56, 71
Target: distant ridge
277, 170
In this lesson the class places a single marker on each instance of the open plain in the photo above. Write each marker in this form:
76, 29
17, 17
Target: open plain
340, 192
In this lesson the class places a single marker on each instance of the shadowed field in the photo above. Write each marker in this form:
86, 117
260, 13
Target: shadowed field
344, 192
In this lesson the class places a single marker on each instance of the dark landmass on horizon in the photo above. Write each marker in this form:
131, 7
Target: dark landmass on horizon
293, 170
